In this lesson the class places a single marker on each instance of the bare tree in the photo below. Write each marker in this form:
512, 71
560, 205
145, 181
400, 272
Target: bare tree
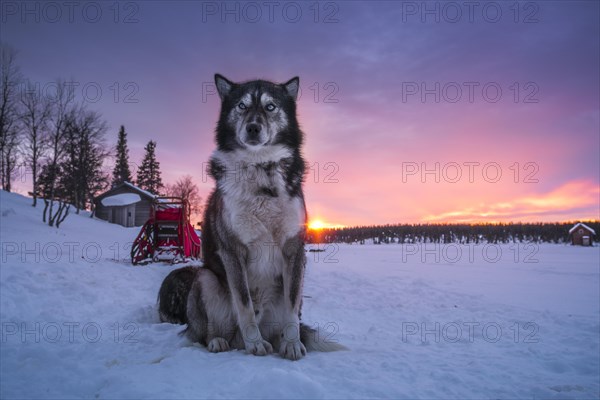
187, 190
61, 116
35, 114
10, 78
9, 144
53, 180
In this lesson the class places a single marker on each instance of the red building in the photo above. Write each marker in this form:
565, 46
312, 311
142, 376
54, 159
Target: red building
581, 234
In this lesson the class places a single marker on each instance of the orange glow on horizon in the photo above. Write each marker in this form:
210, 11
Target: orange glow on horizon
392, 202
544, 207
318, 224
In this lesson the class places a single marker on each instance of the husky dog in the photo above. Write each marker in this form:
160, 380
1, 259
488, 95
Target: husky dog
173, 294
249, 293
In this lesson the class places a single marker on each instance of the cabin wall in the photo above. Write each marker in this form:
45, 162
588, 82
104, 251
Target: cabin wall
577, 237
100, 211
142, 212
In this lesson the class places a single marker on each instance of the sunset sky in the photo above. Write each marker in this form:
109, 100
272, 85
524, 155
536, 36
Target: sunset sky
451, 113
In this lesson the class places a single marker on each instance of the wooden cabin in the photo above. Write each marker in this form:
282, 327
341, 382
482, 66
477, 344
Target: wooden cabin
125, 204
581, 235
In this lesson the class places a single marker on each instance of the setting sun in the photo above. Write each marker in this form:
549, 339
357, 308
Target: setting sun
316, 225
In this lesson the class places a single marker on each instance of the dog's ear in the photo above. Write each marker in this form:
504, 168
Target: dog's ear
224, 85
292, 86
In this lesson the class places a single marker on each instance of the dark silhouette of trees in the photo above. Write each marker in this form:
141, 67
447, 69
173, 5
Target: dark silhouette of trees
513, 232
149, 176
10, 132
121, 173
34, 116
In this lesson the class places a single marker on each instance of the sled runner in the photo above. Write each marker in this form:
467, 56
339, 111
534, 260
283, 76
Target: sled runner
167, 235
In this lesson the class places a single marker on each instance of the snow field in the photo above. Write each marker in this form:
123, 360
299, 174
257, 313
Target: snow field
502, 321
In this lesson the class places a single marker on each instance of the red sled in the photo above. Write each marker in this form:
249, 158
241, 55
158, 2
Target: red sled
167, 235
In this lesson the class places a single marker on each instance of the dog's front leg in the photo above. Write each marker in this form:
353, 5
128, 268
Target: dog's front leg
293, 279
242, 302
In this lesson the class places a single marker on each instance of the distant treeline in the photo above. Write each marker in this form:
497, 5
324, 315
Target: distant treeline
451, 233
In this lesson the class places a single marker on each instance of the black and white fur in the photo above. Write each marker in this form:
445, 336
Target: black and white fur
249, 293
173, 295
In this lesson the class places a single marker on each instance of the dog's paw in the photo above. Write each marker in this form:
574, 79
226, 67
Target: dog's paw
259, 348
217, 345
292, 350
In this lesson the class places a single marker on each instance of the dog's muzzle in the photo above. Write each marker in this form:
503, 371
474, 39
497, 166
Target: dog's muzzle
253, 134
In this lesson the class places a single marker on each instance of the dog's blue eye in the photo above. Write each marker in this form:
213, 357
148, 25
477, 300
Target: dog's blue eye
270, 107
242, 106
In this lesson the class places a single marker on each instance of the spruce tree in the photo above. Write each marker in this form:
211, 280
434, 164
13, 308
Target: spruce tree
121, 173
148, 177
84, 155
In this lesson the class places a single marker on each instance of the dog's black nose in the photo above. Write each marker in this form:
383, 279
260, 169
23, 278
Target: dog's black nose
253, 134
252, 130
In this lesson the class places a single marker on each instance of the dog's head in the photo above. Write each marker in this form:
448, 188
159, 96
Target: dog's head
257, 113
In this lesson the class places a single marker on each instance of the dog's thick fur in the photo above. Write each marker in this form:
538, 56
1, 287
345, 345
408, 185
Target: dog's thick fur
173, 294
249, 293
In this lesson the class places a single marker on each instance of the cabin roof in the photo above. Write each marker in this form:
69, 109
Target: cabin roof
129, 185
121, 199
582, 225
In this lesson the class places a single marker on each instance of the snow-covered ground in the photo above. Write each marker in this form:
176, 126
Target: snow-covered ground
437, 322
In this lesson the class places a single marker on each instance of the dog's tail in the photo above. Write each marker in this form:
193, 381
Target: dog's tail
173, 294
316, 340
